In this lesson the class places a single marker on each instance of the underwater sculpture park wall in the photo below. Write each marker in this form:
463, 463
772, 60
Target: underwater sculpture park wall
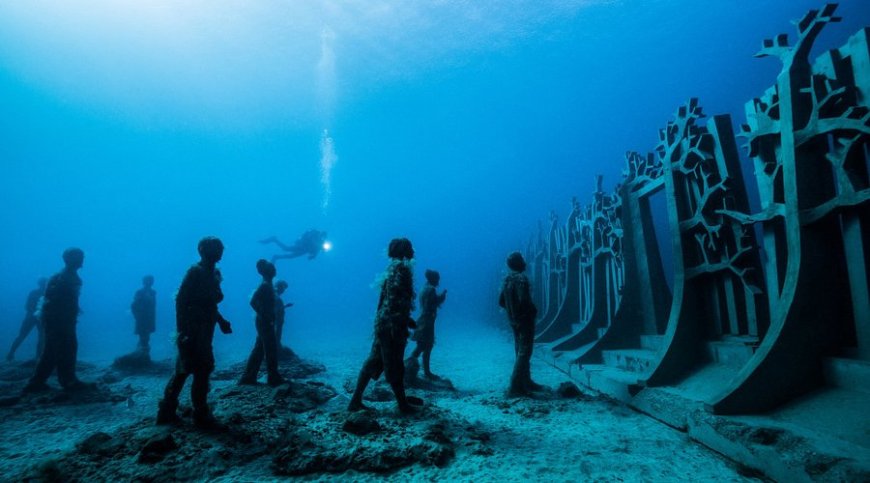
766, 305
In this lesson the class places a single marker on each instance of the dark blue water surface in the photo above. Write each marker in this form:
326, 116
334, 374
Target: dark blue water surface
132, 129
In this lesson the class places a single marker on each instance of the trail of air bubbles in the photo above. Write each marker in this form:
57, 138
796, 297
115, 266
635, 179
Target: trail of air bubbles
326, 104
325, 72
327, 162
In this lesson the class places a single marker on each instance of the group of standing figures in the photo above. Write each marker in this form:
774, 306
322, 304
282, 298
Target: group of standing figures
197, 314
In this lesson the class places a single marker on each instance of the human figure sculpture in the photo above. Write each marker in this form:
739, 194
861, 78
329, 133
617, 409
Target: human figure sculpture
280, 315
263, 302
196, 314
424, 335
392, 321
31, 321
144, 308
59, 316
516, 299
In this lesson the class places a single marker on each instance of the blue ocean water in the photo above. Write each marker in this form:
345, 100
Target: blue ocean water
132, 129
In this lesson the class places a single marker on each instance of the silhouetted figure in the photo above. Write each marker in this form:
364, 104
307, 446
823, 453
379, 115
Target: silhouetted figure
430, 300
59, 314
280, 313
392, 321
144, 308
311, 243
31, 321
516, 299
263, 302
196, 313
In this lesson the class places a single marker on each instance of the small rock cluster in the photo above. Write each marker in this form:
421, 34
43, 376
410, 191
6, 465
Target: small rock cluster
140, 363
377, 443
290, 366
14, 376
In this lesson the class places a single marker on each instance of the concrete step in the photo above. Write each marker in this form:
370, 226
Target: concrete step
564, 362
731, 350
852, 374
821, 436
651, 342
616, 383
667, 405
741, 339
634, 360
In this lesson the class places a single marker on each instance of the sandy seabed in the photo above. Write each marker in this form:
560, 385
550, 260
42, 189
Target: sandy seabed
586, 438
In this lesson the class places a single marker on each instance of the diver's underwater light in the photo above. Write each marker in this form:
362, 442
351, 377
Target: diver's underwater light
327, 246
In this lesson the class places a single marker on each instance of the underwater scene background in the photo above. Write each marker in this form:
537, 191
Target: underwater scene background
133, 129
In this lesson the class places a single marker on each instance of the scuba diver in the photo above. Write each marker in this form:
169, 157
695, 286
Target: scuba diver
311, 243
516, 299
31, 320
59, 315
430, 301
392, 322
263, 303
144, 308
196, 313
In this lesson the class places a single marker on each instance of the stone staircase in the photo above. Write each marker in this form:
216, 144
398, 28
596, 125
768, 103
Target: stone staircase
732, 350
622, 369
619, 374
631, 360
